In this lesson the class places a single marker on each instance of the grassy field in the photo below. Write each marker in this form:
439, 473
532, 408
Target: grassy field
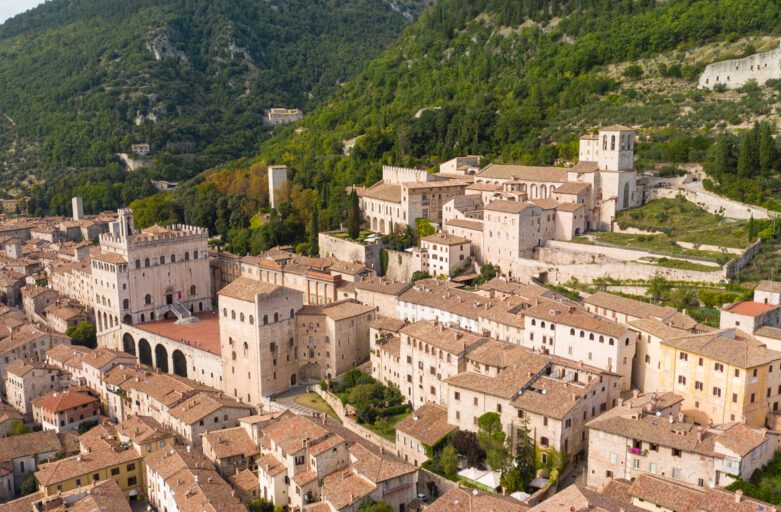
314, 402
684, 265
684, 221
656, 243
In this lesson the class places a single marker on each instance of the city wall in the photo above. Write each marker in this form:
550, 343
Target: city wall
402, 264
349, 250
736, 73
712, 203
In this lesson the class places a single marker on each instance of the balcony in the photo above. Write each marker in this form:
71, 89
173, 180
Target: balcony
637, 451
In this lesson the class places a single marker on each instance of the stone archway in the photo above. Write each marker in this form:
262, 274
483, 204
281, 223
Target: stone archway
145, 352
382, 226
180, 363
129, 344
161, 358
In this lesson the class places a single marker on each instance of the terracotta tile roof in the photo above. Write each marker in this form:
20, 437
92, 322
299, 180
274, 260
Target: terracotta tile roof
326, 444
524, 172
271, 465
467, 500
450, 340
101, 357
104, 496
573, 317
474, 225
244, 288
572, 187
657, 328
203, 490
142, 429
445, 239
231, 442
384, 323
8, 413
20, 368
499, 354
110, 257
63, 401
485, 187
305, 477
382, 285
23, 504
769, 286
337, 311
631, 307
378, 467
26, 445
427, 423
200, 405
244, 481
731, 347
434, 184
741, 439
290, 433
552, 397
343, 488
383, 192
750, 308
505, 206
170, 461
769, 332
392, 347
441, 295
83, 464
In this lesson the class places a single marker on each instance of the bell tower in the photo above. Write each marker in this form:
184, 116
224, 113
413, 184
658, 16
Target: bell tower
615, 148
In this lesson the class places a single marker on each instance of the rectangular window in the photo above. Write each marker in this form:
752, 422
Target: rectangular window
698, 385
716, 391
457, 395
718, 367
132, 481
131, 467
683, 356
114, 471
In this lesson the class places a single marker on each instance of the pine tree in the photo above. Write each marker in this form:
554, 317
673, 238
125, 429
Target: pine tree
314, 229
751, 229
353, 217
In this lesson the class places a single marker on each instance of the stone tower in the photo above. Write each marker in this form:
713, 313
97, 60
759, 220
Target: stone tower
277, 184
615, 148
78, 208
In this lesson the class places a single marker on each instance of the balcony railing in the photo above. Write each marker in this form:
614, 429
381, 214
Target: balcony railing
637, 451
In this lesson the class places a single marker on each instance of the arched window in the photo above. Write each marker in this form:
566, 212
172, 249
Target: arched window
173, 258
276, 317
195, 255
162, 260
146, 262
265, 319
251, 320
292, 313
186, 256
582, 334
534, 322
125, 304
193, 290
241, 317
151, 316
147, 299
143, 319
604, 142
591, 336
572, 332
601, 339
612, 143
542, 324
138, 263
233, 314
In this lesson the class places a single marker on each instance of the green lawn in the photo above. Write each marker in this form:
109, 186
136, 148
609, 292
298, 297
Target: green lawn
684, 221
387, 430
656, 243
314, 402
684, 265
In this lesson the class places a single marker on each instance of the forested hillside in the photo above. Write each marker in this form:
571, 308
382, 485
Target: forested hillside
81, 80
513, 81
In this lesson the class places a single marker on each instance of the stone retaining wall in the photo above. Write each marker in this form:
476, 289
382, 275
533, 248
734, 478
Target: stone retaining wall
349, 250
712, 203
352, 425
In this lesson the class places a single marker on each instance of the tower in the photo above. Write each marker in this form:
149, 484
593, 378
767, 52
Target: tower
126, 222
615, 148
78, 208
277, 184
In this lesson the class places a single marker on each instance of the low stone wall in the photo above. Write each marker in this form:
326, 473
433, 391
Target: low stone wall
402, 264
442, 483
349, 250
712, 203
734, 266
352, 425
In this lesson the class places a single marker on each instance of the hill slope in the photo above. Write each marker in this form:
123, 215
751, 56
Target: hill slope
83, 79
513, 81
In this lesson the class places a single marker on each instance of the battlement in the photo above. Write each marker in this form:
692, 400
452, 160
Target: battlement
155, 236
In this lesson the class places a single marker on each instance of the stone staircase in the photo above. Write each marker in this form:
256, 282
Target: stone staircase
183, 314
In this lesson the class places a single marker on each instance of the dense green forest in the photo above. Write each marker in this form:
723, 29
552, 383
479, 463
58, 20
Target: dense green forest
513, 81
83, 80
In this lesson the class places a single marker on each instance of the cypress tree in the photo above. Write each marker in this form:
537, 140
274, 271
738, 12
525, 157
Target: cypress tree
353, 216
314, 229
767, 149
744, 156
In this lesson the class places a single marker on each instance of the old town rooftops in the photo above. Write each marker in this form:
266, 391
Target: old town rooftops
445, 239
505, 206
383, 191
681, 497
63, 401
750, 308
471, 500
